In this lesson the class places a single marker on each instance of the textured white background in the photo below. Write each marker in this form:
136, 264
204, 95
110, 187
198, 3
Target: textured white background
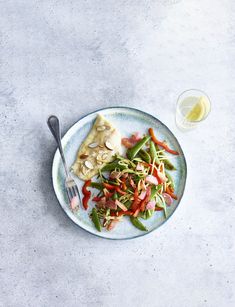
70, 58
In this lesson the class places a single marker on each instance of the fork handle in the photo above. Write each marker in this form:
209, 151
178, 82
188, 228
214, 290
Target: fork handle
54, 125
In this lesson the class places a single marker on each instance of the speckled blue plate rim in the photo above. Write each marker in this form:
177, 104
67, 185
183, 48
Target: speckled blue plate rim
179, 200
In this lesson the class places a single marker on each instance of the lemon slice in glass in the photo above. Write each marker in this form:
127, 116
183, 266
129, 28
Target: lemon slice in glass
199, 110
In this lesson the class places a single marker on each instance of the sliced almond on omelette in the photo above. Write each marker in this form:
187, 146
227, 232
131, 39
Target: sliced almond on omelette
101, 133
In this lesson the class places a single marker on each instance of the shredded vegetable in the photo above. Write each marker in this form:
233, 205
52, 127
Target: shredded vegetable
135, 185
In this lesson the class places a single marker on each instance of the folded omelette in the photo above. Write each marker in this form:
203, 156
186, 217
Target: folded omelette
99, 148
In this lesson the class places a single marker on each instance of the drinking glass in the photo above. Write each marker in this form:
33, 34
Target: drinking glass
193, 107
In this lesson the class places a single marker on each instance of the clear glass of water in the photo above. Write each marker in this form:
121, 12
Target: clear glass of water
193, 107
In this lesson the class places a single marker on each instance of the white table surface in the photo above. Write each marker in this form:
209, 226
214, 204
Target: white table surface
73, 57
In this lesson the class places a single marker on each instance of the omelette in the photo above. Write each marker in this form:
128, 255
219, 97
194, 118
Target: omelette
99, 148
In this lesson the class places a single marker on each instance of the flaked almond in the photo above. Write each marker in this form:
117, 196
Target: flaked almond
107, 127
99, 157
88, 164
99, 162
93, 145
104, 156
84, 170
100, 128
109, 145
83, 156
94, 154
101, 146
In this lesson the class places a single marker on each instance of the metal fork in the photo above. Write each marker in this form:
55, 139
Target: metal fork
70, 185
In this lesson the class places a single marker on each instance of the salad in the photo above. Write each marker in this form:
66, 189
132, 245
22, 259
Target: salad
135, 185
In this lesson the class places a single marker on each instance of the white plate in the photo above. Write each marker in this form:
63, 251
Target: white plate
127, 121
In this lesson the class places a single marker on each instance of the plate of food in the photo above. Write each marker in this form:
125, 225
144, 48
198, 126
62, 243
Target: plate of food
130, 171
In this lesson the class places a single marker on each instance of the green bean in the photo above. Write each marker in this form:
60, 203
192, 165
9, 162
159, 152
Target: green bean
113, 182
144, 155
172, 185
153, 153
149, 213
97, 185
136, 222
154, 190
146, 214
115, 196
112, 166
127, 170
95, 219
128, 204
132, 152
161, 204
137, 178
137, 159
167, 163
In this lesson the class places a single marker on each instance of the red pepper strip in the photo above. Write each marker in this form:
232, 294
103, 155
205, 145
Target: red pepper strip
113, 187
158, 209
136, 200
124, 187
96, 198
127, 143
119, 213
162, 144
85, 200
120, 191
86, 193
155, 173
168, 191
136, 212
145, 200
109, 186
145, 163
85, 186
161, 178
108, 194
